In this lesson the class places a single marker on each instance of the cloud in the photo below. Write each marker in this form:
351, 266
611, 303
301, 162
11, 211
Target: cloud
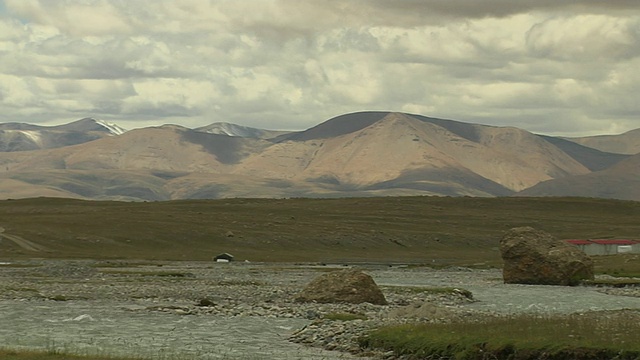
76, 18
412, 10
585, 38
547, 66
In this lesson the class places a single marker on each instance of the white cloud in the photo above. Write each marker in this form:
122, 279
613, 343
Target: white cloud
76, 18
585, 38
546, 66
15, 92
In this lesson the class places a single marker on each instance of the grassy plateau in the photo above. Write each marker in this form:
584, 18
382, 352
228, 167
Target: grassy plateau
394, 229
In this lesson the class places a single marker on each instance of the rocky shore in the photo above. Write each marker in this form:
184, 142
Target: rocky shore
245, 291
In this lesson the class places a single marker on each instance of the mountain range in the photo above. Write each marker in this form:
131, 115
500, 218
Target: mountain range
359, 154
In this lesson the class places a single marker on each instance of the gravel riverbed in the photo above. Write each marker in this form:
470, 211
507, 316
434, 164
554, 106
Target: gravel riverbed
200, 310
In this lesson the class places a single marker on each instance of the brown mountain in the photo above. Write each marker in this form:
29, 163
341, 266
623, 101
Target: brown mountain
360, 154
627, 143
24, 137
383, 150
224, 128
621, 181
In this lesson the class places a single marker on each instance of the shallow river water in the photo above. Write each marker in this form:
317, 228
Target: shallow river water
492, 294
94, 328
122, 327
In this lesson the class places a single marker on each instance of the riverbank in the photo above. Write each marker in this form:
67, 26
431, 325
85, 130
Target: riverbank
207, 310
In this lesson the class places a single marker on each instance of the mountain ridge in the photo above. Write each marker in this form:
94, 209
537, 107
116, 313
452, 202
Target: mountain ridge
27, 137
370, 153
627, 143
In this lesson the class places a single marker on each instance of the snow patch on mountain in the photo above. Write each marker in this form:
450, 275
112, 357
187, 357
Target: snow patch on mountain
223, 128
113, 128
33, 135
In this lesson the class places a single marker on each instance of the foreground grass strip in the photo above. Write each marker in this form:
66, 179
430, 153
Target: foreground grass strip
603, 335
8, 354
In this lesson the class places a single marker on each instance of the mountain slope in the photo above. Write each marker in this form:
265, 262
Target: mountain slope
86, 184
368, 148
167, 148
337, 126
627, 143
621, 181
591, 158
359, 159
91, 124
224, 128
25, 137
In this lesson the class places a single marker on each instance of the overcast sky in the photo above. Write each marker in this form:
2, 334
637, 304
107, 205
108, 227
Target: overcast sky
547, 66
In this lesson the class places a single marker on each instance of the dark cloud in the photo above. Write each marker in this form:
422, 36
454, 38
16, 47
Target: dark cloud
412, 10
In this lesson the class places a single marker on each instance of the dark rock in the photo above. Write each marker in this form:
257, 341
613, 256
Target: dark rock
344, 286
206, 302
535, 257
312, 315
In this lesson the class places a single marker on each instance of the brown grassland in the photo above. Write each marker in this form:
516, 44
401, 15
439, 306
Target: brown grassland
422, 230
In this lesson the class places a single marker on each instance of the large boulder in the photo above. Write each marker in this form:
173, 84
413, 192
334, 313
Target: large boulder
343, 286
535, 257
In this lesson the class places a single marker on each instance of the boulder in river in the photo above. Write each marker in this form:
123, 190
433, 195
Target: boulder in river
343, 286
535, 257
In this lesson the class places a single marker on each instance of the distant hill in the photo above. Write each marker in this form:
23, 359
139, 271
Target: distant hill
620, 181
224, 128
359, 154
25, 137
627, 143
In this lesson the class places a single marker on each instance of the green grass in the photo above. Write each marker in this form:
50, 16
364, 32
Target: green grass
124, 264
616, 282
620, 265
344, 316
8, 354
580, 336
19, 288
421, 230
19, 265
